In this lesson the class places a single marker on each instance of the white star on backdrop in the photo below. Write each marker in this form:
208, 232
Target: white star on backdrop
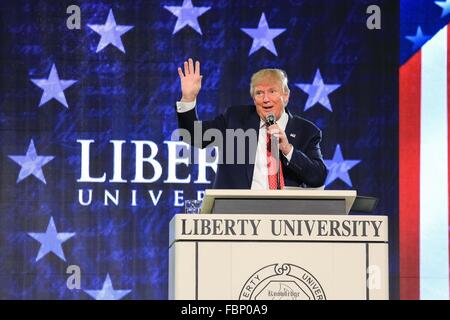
51, 241
31, 163
110, 33
338, 167
263, 36
107, 292
318, 91
187, 15
53, 87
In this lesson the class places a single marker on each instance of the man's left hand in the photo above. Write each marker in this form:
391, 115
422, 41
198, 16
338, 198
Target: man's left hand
284, 145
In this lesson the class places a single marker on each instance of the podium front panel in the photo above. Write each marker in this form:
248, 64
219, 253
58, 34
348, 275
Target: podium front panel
258, 265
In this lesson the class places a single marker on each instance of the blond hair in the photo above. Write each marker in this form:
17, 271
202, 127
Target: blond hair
269, 74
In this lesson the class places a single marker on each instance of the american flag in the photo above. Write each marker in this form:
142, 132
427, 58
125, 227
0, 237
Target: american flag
424, 152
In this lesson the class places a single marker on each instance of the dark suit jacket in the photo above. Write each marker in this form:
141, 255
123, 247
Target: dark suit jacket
305, 169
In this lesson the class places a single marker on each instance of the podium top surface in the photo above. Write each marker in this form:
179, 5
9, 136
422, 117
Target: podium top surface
212, 194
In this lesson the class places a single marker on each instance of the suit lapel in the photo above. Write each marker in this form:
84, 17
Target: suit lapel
290, 133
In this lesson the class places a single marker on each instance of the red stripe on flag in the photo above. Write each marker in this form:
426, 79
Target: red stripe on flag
409, 180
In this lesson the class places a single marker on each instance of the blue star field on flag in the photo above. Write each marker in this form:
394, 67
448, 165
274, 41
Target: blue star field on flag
187, 15
419, 39
51, 241
263, 36
53, 87
420, 20
338, 168
31, 163
107, 292
318, 92
445, 5
110, 33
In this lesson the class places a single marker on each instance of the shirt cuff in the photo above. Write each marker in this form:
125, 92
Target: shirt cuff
289, 155
185, 106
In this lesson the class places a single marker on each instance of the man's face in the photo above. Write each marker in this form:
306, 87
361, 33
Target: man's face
269, 97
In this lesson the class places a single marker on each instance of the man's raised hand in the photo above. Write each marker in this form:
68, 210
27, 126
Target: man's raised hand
191, 80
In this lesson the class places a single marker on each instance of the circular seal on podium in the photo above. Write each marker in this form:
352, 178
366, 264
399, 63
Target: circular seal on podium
282, 282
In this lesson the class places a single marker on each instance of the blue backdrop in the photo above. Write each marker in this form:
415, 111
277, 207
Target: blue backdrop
113, 83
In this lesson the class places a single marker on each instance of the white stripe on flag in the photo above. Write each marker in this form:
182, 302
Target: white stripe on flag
434, 266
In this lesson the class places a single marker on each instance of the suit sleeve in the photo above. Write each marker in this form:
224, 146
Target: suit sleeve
198, 133
308, 165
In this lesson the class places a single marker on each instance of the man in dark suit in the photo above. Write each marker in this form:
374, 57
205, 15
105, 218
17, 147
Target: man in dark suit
298, 139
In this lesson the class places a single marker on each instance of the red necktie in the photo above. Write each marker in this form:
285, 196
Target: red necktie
272, 167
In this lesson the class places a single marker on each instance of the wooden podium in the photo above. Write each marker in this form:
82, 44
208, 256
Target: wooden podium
278, 255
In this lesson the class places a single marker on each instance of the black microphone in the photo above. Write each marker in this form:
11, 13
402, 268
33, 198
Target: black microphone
270, 120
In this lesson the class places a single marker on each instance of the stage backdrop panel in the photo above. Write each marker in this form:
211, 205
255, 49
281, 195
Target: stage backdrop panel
89, 175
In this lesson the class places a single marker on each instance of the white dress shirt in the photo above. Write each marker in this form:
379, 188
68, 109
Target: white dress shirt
260, 171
